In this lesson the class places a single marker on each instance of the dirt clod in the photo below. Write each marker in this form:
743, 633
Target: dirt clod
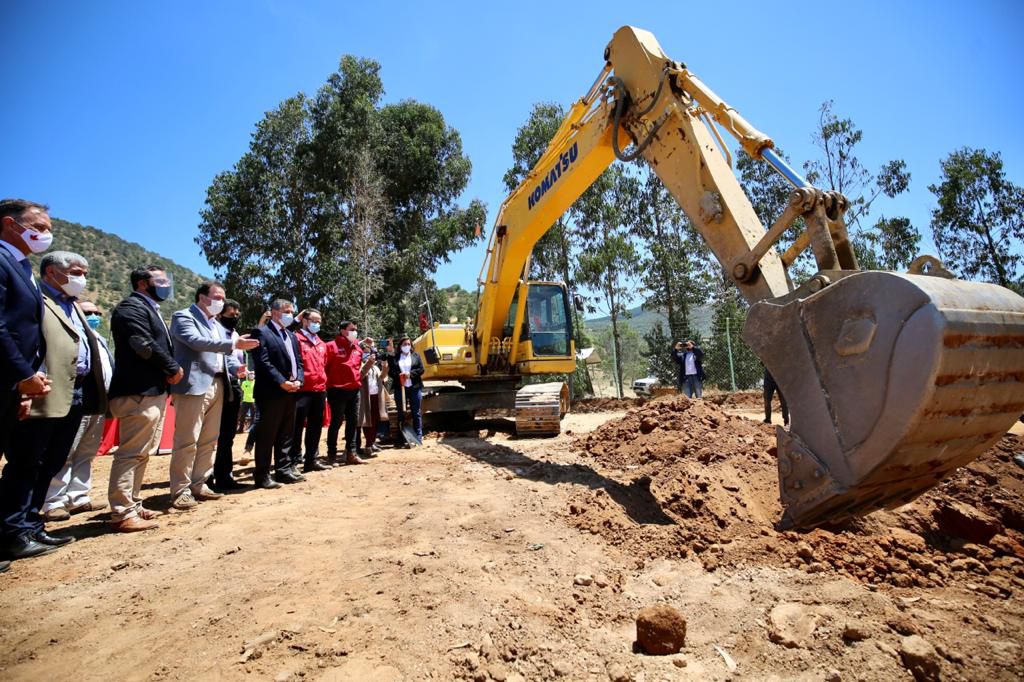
920, 658
660, 630
791, 625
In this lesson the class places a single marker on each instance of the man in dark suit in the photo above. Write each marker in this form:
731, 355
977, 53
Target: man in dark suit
278, 364
24, 229
222, 479
41, 442
144, 367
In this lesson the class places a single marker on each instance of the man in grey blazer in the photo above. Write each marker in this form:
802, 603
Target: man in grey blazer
205, 354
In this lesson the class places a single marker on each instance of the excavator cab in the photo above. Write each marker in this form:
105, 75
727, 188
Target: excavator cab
548, 324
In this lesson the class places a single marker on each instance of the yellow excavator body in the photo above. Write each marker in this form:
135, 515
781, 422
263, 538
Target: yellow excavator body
892, 379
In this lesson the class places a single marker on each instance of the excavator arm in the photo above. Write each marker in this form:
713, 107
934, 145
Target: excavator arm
893, 380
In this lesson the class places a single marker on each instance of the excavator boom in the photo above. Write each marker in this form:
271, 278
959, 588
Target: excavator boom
893, 380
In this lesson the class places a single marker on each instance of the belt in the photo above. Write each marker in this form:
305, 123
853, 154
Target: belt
219, 374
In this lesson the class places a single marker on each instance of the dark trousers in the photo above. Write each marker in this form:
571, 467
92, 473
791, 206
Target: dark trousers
250, 440
36, 452
8, 417
373, 421
274, 435
413, 396
246, 411
224, 461
770, 388
344, 404
309, 415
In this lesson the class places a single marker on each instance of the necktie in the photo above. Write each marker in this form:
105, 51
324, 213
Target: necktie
27, 267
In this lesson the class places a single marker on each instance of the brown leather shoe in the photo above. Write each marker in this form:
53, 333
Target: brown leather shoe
57, 514
206, 494
88, 507
133, 524
353, 458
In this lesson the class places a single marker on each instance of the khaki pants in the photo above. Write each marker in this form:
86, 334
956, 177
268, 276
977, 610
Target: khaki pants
196, 429
70, 487
140, 421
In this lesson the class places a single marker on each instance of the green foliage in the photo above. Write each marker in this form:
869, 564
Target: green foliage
726, 338
978, 224
676, 267
659, 354
622, 356
891, 243
326, 182
111, 261
552, 253
460, 304
609, 261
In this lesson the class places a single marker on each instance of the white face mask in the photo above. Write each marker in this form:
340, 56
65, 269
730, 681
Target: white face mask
75, 285
216, 306
406, 349
37, 242
352, 336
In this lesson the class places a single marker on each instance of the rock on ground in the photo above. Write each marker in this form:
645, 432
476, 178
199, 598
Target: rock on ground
920, 658
660, 630
791, 625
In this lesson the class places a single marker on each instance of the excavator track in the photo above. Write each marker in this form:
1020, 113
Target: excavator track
893, 381
540, 408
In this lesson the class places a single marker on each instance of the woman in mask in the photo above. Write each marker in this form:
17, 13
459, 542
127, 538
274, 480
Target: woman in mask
406, 372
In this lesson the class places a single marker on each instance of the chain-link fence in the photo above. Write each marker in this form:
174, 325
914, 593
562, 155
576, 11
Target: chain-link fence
729, 363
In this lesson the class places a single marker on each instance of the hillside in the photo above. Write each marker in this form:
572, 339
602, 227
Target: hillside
642, 320
111, 260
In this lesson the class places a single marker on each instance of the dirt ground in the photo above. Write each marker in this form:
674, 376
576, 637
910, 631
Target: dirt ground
483, 556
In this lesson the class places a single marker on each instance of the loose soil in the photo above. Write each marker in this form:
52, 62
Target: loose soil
484, 556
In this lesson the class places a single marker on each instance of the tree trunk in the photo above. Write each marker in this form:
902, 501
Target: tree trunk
614, 310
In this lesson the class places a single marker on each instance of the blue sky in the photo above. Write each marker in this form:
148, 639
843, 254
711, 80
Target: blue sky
120, 114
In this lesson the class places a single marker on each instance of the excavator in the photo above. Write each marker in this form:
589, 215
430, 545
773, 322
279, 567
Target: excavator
893, 379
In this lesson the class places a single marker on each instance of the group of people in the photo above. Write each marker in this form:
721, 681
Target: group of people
689, 359
59, 380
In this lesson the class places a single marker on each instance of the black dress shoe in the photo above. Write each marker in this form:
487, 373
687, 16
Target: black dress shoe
288, 476
229, 484
52, 540
315, 466
268, 483
4, 565
25, 547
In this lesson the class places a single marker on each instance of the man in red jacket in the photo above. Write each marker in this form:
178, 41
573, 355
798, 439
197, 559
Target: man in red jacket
309, 406
343, 362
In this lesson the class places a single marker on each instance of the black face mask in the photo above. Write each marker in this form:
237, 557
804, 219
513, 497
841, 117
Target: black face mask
229, 323
161, 293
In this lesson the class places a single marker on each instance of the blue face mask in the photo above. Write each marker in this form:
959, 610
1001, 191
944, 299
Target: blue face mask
93, 321
287, 319
314, 327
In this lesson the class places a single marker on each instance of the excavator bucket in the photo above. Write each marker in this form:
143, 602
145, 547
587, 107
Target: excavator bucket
892, 380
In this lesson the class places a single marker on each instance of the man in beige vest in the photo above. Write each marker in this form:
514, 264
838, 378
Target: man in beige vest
73, 365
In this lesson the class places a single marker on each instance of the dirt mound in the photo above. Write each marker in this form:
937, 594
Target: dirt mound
740, 400
591, 405
714, 476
